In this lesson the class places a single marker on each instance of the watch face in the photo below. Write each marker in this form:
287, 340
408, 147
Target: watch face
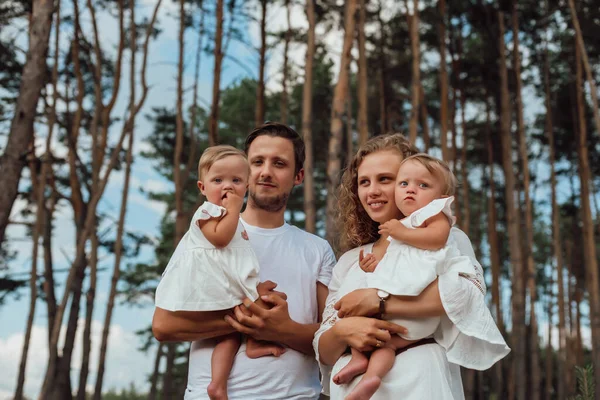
383, 294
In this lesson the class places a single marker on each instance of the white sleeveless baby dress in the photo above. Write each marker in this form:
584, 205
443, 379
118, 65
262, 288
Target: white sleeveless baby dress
201, 277
406, 270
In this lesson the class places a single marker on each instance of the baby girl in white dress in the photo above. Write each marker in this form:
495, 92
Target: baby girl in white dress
213, 267
418, 252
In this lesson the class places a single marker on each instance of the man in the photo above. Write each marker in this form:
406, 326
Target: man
299, 263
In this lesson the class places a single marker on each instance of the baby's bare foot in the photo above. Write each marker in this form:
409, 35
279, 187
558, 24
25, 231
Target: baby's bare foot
365, 389
217, 391
262, 350
355, 367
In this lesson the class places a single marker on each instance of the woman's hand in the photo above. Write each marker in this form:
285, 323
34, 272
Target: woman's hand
365, 334
367, 263
358, 303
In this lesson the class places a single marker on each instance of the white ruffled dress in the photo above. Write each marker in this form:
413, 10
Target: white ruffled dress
201, 277
406, 270
466, 336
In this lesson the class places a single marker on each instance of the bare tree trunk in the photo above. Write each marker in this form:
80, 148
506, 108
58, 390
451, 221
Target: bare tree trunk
337, 125
349, 131
288, 38
454, 153
589, 246
556, 239
309, 182
519, 376
534, 349
591, 83
443, 81
382, 80
494, 252
213, 126
40, 222
260, 88
466, 218
89, 311
153, 393
363, 123
21, 129
416, 71
48, 267
549, 351
424, 119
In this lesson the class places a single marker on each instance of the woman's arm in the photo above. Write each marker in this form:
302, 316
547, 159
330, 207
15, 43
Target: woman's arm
365, 302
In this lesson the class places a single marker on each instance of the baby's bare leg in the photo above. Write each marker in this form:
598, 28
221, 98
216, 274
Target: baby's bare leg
380, 363
256, 349
357, 365
221, 363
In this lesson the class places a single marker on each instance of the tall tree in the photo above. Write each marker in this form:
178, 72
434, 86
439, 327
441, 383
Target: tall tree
284, 81
309, 183
213, 126
337, 118
20, 136
589, 245
363, 112
518, 301
260, 88
534, 356
383, 117
416, 70
443, 80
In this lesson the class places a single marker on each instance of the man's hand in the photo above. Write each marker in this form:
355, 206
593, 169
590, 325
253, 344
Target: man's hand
393, 228
358, 303
262, 324
233, 203
367, 263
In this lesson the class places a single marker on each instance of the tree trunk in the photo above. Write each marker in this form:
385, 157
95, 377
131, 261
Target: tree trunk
416, 71
592, 87
556, 239
589, 246
260, 88
213, 127
363, 123
21, 129
454, 153
424, 119
337, 125
494, 252
288, 38
349, 131
309, 182
153, 393
534, 348
89, 312
382, 80
466, 218
549, 351
519, 376
443, 81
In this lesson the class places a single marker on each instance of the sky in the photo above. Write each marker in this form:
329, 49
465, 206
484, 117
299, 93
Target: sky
125, 363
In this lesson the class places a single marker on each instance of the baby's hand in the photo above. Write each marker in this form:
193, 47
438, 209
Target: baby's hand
393, 228
232, 202
367, 263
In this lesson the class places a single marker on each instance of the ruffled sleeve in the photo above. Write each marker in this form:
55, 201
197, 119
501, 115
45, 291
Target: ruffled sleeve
210, 210
437, 206
329, 313
467, 331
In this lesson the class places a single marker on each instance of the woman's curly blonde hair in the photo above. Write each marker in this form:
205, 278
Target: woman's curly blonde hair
354, 223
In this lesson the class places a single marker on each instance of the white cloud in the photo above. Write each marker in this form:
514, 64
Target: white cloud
124, 363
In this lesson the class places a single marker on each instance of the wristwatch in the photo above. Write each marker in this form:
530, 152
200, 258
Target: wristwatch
383, 296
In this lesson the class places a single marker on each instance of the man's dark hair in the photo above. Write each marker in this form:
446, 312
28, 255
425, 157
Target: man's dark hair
275, 129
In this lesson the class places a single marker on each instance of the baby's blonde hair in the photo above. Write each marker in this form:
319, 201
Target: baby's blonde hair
215, 153
436, 167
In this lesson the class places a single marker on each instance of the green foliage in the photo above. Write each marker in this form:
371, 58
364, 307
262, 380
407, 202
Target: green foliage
585, 383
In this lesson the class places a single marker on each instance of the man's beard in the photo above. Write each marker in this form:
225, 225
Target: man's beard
269, 203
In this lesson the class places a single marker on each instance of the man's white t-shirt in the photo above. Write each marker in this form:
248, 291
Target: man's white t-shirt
296, 261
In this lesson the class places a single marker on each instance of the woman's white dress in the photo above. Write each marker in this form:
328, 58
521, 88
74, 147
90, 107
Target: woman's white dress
201, 277
467, 335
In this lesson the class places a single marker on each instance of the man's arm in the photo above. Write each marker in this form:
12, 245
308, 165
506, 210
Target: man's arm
188, 326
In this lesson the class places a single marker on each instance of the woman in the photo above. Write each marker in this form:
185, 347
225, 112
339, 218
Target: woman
467, 334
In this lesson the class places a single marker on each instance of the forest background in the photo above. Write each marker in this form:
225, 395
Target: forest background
106, 105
